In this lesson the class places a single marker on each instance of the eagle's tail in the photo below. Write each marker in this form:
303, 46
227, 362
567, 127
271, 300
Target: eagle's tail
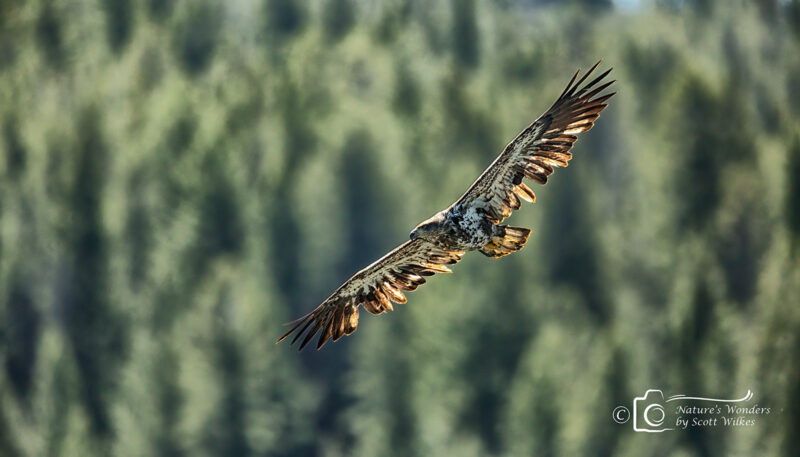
510, 239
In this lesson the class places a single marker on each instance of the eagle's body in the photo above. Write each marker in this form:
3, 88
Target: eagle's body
473, 222
456, 229
472, 230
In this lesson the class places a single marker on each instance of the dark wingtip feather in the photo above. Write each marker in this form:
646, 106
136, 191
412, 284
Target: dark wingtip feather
595, 81
605, 97
326, 333
583, 78
308, 337
302, 330
569, 85
574, 87
297, 323
598, 89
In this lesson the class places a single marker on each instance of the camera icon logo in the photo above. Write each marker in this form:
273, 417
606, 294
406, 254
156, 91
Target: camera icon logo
649, 414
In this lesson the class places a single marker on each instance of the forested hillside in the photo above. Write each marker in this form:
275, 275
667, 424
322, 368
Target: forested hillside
178, 179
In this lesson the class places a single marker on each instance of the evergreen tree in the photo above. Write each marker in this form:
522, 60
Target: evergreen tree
16, 153
284, 18
699, 186
49, 36
338, 18
196, 34
94, 329
160, 10
465, 37
21, 332
119, 23
793, 190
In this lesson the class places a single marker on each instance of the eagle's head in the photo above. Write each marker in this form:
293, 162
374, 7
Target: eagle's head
429, 229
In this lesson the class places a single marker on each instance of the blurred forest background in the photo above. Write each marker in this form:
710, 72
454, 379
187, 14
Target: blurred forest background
178, 179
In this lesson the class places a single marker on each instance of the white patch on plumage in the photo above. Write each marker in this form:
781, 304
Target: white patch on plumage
471, 220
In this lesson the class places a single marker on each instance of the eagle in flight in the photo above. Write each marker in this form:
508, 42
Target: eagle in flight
474, 222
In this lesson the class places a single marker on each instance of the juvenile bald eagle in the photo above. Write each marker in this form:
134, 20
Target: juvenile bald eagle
474, 222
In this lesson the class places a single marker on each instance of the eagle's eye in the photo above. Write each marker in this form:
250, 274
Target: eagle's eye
412, 234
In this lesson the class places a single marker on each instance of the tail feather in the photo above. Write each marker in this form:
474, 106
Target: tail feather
512, 239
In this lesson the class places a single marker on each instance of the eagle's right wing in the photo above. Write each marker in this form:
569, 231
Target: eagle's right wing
539, 148
375, 287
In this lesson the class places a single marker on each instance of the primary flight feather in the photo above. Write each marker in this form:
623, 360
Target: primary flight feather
474, 222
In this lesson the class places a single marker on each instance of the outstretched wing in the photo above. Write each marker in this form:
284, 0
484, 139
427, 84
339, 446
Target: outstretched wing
534, 153
375, 287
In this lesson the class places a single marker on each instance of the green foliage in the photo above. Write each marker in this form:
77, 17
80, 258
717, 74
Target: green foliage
195, 49
160, 9
407, 98
22, 338
119, 22
465, 37
793, 190
49, 35
394, 17
337, 18
701, 153
284, 18
16, 155
177, 179
793, 16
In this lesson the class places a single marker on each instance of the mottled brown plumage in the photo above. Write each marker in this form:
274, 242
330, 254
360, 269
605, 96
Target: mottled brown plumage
471, 223
375, 288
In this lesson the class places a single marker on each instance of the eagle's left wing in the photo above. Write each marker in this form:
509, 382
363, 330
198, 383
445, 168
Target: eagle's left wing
534, 153
375, 287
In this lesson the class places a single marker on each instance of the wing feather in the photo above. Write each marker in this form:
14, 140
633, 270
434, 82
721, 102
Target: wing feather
539, 149
375, 288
